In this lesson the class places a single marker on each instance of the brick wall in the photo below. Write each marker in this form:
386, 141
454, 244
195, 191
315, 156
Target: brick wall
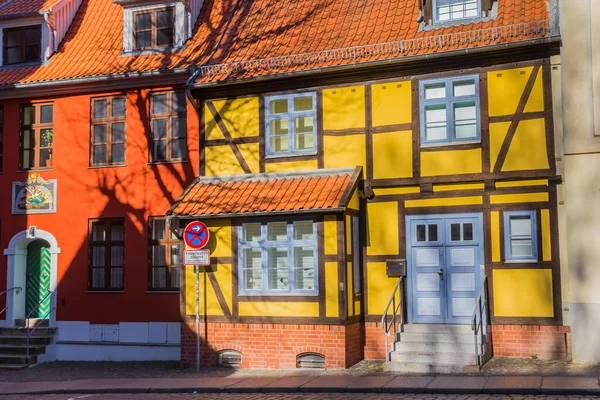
545, 342
273, 345
375, 341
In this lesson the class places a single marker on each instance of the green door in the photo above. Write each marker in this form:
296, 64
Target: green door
38, 279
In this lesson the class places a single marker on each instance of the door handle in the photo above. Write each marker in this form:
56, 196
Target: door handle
441, 274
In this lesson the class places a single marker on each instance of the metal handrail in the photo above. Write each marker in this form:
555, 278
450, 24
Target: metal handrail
482, 311
387, 327
17, 288
29, 330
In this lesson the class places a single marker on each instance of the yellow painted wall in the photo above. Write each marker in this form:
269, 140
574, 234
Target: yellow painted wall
344, 151
348, 234
382, 223
250, 152
220, 160
344, 108
505, 88
379, 288
350, 288
392, 155
528, 150
535, 103
354, 202
222, 273
518, 198
523, 293
278, 309
396, 190
466, 186
495, 228
451, 162
392, 103
331, 290
330, 234
498, 131
291, 166
535, 182
546, 236
449, 201
357, 308
240, 116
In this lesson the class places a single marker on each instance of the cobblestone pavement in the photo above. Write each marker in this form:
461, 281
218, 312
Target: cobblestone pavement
300, 396
139, 370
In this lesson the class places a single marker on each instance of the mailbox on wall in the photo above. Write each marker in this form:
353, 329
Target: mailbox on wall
395, 268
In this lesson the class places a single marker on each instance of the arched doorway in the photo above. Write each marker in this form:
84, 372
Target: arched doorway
32, 266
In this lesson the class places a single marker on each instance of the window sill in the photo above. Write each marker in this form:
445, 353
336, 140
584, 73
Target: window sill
163, 50
5, 67
104, 291
456, 143
107, 166
521, 261
163, 292
167, 162
26, 171
288, 155
258, 296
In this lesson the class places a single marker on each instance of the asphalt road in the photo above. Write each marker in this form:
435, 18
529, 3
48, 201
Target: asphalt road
299, 396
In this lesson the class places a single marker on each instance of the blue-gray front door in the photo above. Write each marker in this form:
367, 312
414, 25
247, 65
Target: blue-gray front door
445, 266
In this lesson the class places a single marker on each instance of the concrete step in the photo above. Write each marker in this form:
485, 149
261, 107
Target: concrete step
437, 328
21, 349
434, 357
23, 331
12, 367
32, 322
436, 337
35, 340
435, 347
13, 359
428, 368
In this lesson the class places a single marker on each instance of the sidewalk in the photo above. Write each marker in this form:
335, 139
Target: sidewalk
523, 385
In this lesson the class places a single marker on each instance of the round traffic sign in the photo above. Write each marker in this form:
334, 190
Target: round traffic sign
196, 235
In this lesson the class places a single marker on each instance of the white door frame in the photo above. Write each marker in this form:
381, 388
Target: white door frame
17, 269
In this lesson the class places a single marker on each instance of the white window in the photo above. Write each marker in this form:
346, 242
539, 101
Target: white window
291, 124
449, 109
278, 257
452, 10
520, 236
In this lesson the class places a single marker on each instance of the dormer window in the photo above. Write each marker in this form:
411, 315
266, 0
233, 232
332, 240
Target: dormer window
22, 45
453, 10
443, 13
154, 29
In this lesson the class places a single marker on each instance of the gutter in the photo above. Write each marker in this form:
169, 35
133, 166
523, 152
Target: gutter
391, 61
19, 16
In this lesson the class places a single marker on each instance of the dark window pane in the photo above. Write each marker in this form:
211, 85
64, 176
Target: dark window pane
28, 139
28, 115
468, 232
13, 56
159, 152
100, 109
118, 132
179, 127
98, 278
164, 18
117, 231
143, 21
159, 255
158, 229
33, 35
118, 107
421, 233
159, 128
12, 38
175, 259
100, 154
116, 278
164, 37
159, 104
46, 114
433, 232
455, 232
118, 153
33, 53
99, 232
175, 278
143, 40
178, 150
179, 102
27, 159
45, 158
159, 278
100, 133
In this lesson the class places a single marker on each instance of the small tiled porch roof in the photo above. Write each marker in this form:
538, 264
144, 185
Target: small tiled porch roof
326, 190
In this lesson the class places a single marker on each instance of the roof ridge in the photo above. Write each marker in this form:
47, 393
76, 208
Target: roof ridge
276, 175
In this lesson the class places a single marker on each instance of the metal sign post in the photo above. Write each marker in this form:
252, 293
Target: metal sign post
196, 236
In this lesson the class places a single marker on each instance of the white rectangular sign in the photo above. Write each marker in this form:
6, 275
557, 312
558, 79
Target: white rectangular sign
197, 257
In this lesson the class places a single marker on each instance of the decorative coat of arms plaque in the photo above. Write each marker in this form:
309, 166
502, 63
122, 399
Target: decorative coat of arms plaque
34, 196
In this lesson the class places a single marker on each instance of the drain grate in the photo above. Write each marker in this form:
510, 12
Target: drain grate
310, 360
230, 358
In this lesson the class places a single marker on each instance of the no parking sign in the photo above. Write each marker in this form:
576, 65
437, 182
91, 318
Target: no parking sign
196, 236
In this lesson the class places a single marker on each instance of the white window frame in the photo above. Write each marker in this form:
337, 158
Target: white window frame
435, 13
264, 244
449, 100
45, 45
290, 115
508, 236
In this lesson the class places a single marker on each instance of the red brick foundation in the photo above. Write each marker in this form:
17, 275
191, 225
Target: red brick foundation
375, 341
273, 345
544, 342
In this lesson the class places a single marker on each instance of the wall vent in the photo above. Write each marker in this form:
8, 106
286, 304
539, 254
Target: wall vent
310, 360
230, 358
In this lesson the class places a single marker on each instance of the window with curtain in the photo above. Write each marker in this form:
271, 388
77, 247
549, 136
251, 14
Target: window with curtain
168, 123
106, 254
108, 131
165, 259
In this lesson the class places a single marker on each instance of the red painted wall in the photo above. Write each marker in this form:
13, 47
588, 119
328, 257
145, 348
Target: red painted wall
135, 192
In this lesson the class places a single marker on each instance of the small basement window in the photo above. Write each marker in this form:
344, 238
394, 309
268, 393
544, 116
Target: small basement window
310, 360
230, 358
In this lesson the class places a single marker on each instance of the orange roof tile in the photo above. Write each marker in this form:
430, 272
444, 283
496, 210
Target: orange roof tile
316, 191
263, 39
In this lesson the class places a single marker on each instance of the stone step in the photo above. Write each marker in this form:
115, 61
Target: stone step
436, 337
35, 340
41, 322
434, 357
434, 347
428, 368
21, 349
23, 331
437, 328
13, 359
12, 367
